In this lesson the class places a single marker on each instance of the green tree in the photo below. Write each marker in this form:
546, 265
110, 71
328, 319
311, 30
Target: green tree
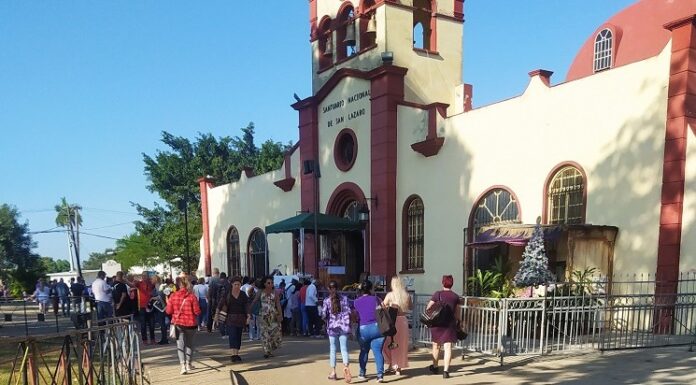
136, 250
51, 265
17, 262
270, 157
96, 259
68, 216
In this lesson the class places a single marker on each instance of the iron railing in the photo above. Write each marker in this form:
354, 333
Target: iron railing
108, 354
596, 314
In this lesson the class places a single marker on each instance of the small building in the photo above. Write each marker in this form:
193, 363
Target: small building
389, 140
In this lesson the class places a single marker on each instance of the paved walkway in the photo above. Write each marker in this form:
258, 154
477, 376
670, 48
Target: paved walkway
305, 361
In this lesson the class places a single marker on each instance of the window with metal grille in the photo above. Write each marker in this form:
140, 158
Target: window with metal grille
603, 50
415, 236
566, 197
234, 266
497, 207
257, 253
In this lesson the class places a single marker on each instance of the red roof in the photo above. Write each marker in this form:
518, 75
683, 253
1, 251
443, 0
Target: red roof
639, 33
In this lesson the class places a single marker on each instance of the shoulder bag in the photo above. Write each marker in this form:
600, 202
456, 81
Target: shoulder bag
172, 327
438, 314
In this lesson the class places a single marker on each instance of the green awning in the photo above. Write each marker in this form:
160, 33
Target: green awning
306, 221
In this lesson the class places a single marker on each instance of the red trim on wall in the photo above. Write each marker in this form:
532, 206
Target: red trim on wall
309, 188
204, 184
459, 9
432, 143
681, 104
341, 164
343, 194
387, 89
288, 182
547, 181
312, 20
544, 75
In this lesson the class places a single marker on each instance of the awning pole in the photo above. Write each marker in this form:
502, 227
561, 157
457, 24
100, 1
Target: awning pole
301, 251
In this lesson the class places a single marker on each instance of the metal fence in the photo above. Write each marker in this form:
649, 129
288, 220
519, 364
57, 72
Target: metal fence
108, 354
597, 314
22, 317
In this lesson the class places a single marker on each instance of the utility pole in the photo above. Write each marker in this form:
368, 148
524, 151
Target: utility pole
77, 243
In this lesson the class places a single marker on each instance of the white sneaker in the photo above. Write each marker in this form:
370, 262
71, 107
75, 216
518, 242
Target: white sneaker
190, 367
183, 369
362, 378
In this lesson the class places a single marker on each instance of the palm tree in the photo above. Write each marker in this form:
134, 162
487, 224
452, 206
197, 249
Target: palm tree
68, 216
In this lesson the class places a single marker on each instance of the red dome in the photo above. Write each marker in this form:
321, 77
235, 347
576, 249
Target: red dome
639, 33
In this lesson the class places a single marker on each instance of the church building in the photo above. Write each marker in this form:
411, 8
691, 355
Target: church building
395, 172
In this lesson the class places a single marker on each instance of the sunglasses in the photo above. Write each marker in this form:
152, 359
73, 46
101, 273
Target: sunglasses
332, 287
269, 283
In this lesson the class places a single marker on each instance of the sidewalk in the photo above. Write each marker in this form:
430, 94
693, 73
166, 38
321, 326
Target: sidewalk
305, 361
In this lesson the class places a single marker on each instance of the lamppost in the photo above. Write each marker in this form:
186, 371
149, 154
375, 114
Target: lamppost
183, 205
364, 218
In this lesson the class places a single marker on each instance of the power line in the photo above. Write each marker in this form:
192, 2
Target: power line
111, 211
115, 225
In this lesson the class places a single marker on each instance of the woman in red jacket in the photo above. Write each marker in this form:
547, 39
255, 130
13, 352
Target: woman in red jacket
184, 309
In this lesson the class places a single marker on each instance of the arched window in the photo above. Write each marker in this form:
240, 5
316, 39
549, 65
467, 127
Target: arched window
413, 234
345, 32
497, 207
566, 196
234, 265
368, 25
603, 50
256, 250
351, 211
325, 41
423, 25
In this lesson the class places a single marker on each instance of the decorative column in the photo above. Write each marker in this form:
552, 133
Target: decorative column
204, 184
681, 112
309, 185
387, 89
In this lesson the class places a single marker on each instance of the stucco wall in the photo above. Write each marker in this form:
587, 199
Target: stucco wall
688, 240
431, 77
359, 174
250, 203
612, 124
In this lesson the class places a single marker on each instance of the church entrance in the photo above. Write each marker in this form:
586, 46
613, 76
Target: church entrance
342, 253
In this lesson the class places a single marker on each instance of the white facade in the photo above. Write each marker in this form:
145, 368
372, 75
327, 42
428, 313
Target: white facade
611, 124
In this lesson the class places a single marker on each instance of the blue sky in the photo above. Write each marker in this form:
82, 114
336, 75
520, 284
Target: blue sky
86, 87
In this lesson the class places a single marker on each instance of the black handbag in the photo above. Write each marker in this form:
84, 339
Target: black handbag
438, 314
461, 334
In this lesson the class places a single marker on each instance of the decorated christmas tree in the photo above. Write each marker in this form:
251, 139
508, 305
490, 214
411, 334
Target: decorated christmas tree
534, 268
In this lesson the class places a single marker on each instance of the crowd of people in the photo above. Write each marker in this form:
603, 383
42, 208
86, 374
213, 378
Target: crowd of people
234, 306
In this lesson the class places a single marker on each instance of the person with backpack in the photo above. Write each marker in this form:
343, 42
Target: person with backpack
370, 336
336, 313
444, 334
396, 351
184, 309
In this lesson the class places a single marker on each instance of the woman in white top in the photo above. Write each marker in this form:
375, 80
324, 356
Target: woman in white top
41, 295
201, 291
396, 351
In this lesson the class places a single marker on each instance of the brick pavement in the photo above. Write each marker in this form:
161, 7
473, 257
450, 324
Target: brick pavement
305, 361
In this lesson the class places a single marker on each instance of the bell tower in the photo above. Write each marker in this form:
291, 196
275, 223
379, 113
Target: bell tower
424, 36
